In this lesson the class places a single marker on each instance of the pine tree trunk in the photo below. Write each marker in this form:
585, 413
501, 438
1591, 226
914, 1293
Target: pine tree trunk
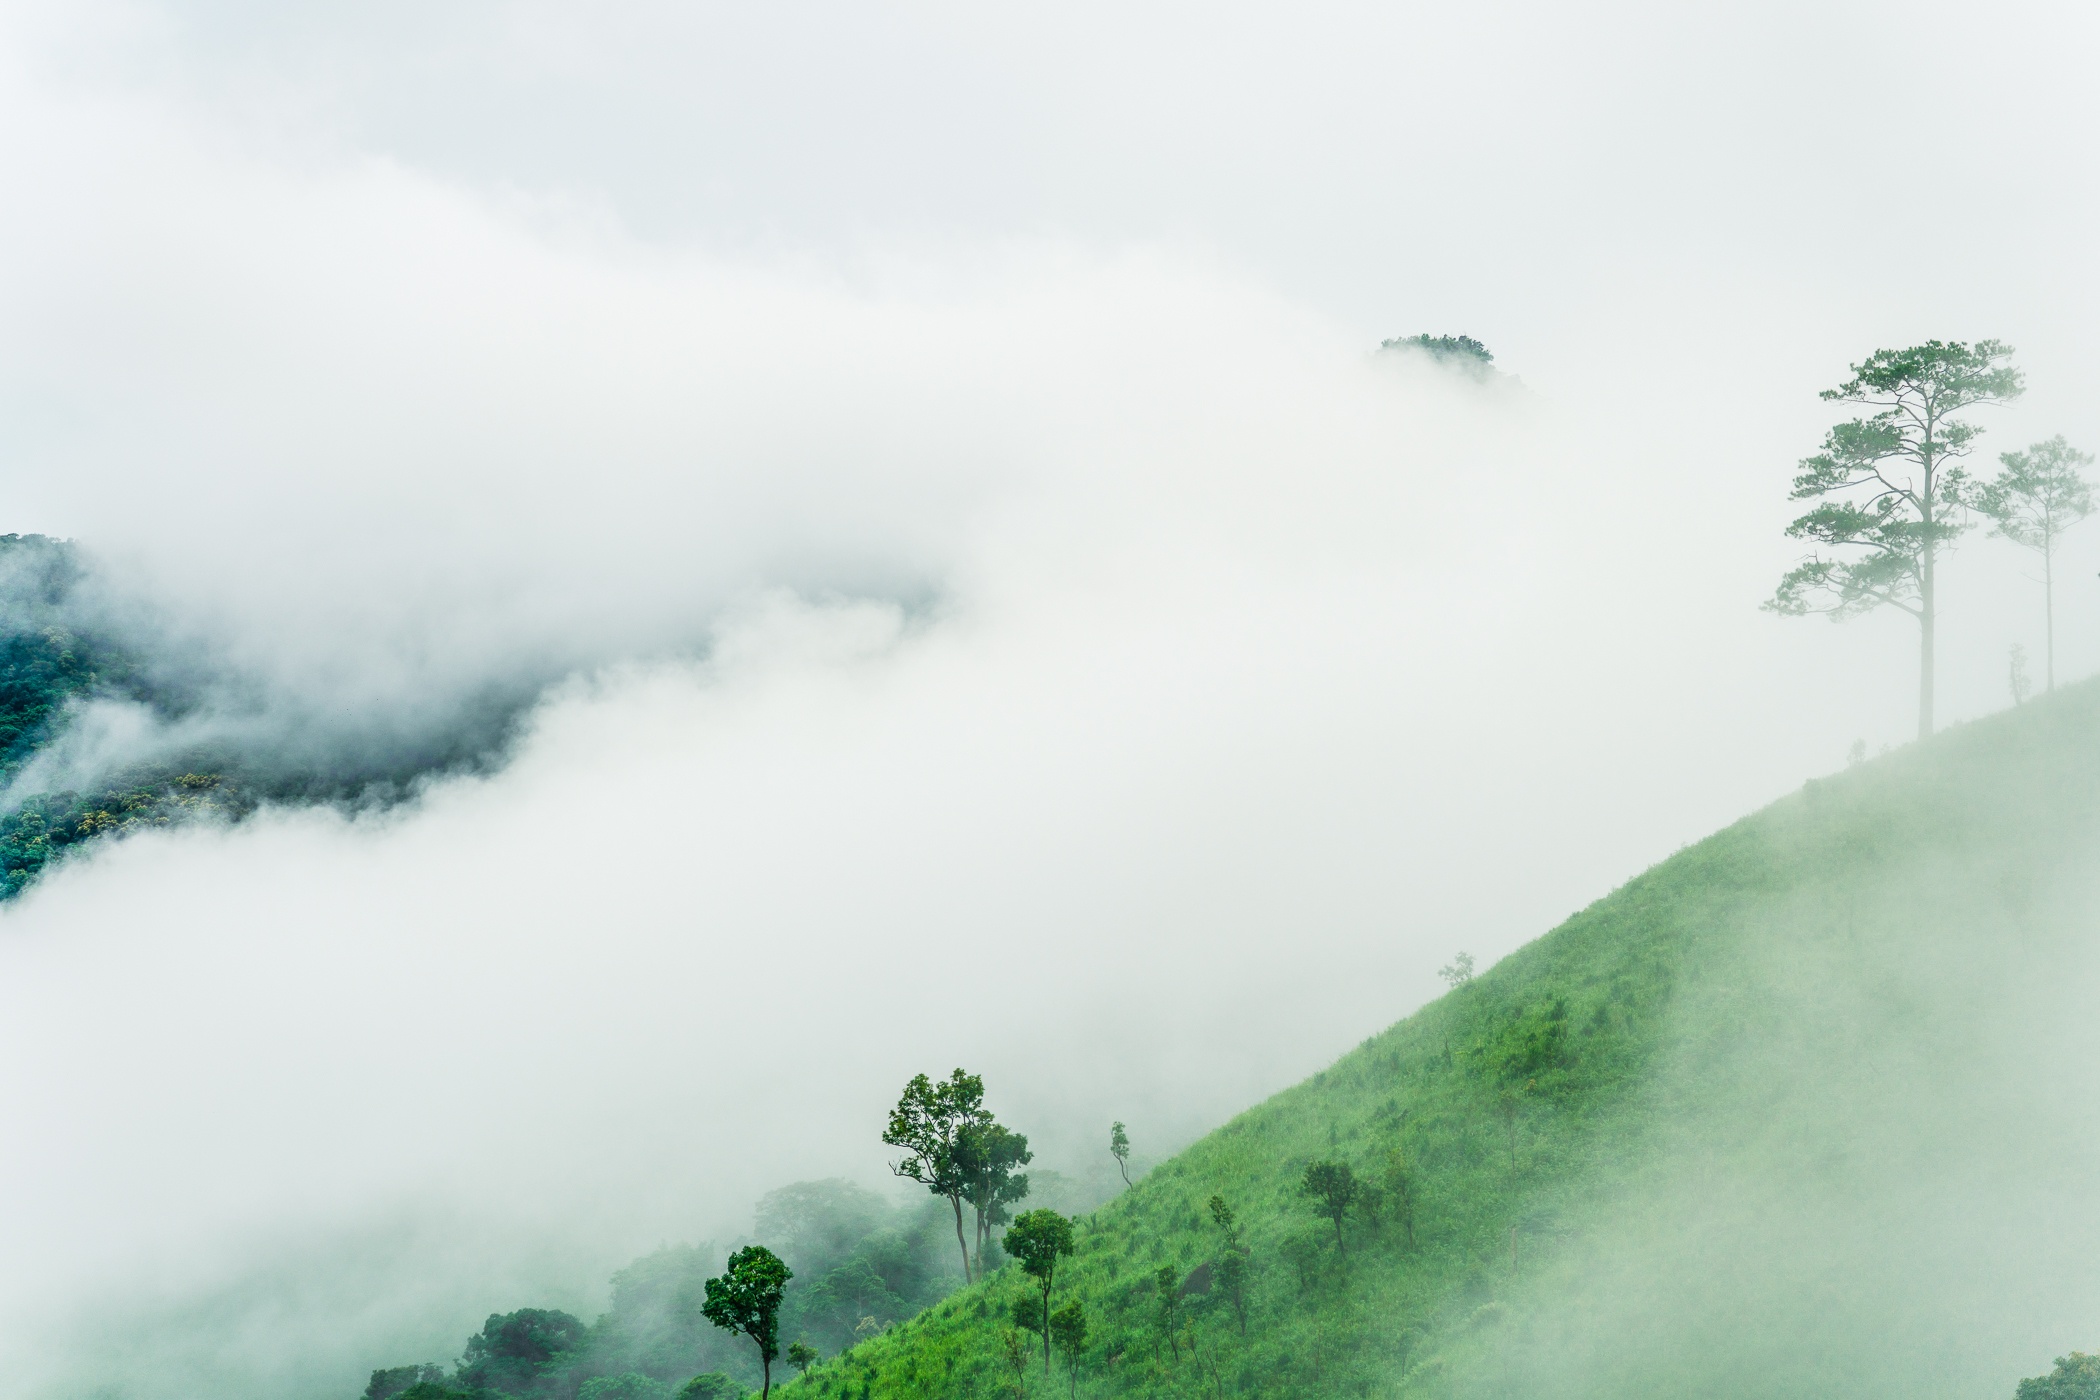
1925, 622
2048, 613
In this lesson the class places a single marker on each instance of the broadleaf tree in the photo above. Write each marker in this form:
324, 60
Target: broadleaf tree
990, 1157
1119, 1148
1890, 490
930, 1122
746, 1300
1333, 1189
2039, 494
1068, 1331
1038, 1239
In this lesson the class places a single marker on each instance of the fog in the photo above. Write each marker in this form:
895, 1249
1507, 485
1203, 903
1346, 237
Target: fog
968, 593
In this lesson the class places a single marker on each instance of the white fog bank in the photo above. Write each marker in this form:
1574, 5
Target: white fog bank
1051, 645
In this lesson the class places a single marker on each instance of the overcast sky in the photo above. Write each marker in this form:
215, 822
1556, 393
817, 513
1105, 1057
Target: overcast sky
1016, 621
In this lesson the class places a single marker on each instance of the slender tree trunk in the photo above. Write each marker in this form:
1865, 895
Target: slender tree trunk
2048, 614
765, 1370
1925, 621
1046, 1325
960, 1242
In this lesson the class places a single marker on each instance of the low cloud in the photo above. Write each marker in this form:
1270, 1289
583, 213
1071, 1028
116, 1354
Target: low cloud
1079, 661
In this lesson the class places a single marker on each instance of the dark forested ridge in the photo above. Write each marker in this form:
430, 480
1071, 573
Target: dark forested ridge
49, 662
66, 644
1523, 1188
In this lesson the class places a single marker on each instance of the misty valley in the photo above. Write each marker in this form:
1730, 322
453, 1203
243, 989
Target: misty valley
839, 700
1613, 1163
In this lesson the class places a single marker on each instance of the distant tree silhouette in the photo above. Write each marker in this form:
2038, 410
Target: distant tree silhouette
1890, 488
2041, 493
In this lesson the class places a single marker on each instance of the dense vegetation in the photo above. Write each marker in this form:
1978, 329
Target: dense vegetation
65, 644
1434, 1213
47, 662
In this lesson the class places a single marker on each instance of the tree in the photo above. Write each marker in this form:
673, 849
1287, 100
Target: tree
1167, 1282
1333, 1189
1460, 350
2039, 494
1902, 469
1458, 972
2016, 673
710, 1385
987, 1156
2076, 1377
1014, 1352
802, 1356
1119, 1148
1400, 1190
512, 1350
391, 1381
1232, 1260
1038, 1238
746, 1299
1068, 1330
929, 1123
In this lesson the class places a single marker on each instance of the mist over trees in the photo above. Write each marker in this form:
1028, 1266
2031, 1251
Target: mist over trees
2039, 494
1890, 488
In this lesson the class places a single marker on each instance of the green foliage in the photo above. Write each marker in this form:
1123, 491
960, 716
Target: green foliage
1577, 1029
2076, 1377
817, 1225
393, 1380
802, 1356
931, 1122
1890, 488
1597, 1031
1902, 461
2039, 494
512, 1351
746, 1300
631, 1385
440, 1390
1037, 1240
712, 1385
1119, 1148
1333, 1189
989, 1157
1445, 349
1068, 1333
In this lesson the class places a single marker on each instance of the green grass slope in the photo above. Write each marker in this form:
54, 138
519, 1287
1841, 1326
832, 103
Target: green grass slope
1803, 1110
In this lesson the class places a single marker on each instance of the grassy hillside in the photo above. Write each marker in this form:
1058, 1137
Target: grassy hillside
1805, 1110
1780, 1116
